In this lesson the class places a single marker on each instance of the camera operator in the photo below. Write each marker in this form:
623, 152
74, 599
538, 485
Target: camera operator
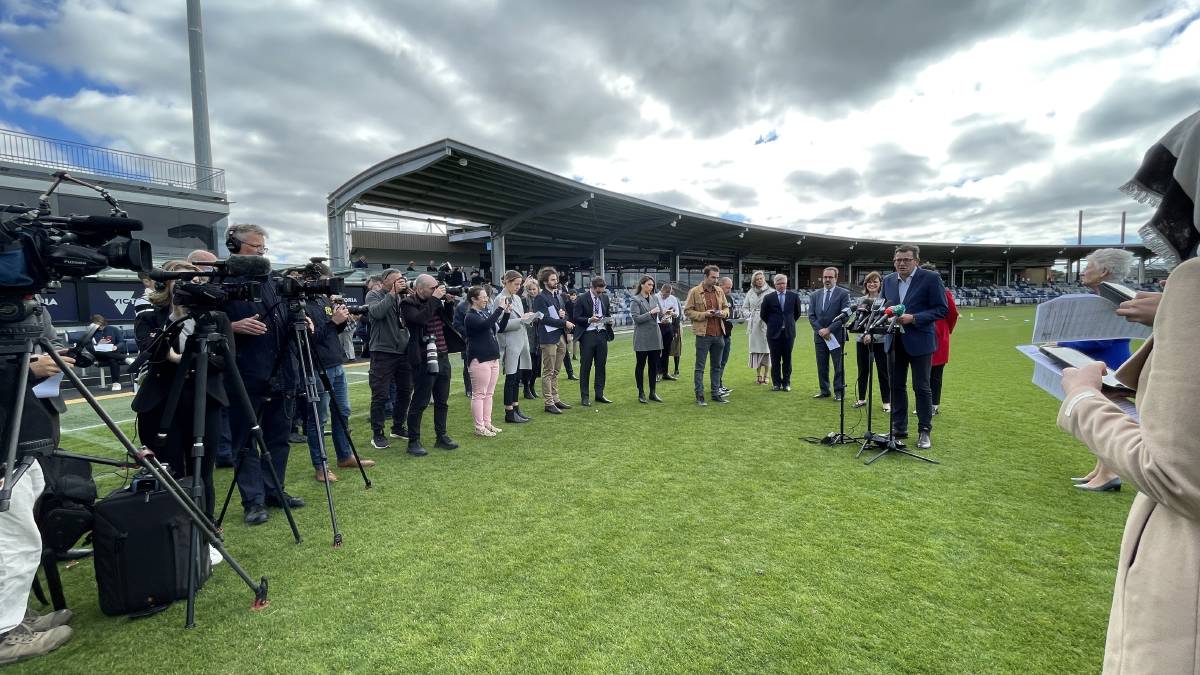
329, 321
24, 634
268, 368
150, 402
390, 366
429, 315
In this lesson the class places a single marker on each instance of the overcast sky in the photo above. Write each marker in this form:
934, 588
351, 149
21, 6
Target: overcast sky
962, 121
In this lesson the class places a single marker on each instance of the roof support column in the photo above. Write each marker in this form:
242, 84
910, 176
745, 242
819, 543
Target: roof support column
1141, 270
737, 278
498, 257
598, 263
850, 273
953, 278
676, 270
1008, 273
339, 246
795, 275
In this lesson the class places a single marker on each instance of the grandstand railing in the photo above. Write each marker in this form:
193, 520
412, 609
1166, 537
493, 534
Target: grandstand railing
53, 153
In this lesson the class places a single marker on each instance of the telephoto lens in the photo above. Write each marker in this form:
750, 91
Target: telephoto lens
431, 355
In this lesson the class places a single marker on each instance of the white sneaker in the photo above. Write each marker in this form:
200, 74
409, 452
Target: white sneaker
116, 386
214, 556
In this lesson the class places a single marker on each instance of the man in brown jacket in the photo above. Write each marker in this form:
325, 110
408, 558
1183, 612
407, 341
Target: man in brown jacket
707, 307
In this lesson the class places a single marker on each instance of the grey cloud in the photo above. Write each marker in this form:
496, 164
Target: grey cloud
1135, 104
808, 185
893, 170
737, 195
996, 148
943, 207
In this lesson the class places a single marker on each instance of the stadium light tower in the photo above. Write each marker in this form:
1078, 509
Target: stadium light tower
200, 139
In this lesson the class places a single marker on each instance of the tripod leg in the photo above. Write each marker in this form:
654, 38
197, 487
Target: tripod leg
199, 425
312, 394
235, 386
144, 460
242, 453
339, 422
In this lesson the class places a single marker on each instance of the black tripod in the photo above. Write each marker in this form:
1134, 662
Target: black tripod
316, 383
205, 341
18, 337
888, 443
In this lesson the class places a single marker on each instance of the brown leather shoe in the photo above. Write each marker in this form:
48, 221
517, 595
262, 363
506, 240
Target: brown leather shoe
351, 463
320, 478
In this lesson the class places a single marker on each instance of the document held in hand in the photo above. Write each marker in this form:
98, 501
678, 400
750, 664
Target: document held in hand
1047, 374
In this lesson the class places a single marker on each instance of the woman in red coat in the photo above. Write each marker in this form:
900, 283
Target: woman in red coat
942, 329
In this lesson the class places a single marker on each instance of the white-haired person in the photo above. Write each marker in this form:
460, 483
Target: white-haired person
1105, 264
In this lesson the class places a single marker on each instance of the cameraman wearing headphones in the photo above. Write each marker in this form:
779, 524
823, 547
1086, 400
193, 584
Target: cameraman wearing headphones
268, 368
329, 322
24, 634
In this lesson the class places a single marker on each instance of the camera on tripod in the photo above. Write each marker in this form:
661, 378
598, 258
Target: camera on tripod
314, 281
206, 291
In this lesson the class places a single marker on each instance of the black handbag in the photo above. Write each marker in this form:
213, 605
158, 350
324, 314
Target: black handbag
140, 538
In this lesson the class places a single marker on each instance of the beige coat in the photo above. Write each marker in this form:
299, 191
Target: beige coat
1154, 626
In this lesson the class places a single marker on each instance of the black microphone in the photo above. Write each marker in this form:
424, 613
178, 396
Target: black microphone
845, 314
243, 265
889, 313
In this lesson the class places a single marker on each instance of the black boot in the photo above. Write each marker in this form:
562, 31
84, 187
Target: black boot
513, 417
523, 416
642, 397
654, 396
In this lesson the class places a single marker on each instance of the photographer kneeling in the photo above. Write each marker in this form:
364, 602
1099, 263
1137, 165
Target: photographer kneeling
329, 321
429, 315
150, 402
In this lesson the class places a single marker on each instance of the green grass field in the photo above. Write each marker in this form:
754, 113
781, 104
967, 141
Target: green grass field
666, 538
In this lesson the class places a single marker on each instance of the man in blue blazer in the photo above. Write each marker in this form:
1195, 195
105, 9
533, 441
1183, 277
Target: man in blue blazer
924, 298
824, 307
780, 311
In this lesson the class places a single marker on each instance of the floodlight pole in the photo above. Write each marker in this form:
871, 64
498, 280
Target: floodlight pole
200, 138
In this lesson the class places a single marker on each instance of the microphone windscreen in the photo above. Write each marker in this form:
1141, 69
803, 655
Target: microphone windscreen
247, 266
103, 223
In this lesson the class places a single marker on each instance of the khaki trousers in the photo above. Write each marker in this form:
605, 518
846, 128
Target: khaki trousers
552, 361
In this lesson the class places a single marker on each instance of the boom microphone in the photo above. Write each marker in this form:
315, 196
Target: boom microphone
247, 266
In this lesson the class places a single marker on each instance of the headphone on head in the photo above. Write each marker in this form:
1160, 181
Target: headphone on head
232, 243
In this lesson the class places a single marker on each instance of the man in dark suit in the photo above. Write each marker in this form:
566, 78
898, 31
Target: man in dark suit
780, 311
824, 306
924, 298
592, 316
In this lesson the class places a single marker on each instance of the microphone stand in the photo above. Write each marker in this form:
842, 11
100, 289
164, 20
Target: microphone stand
839, 437
890, 443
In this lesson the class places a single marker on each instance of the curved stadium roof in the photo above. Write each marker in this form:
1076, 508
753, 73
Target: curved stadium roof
524, 204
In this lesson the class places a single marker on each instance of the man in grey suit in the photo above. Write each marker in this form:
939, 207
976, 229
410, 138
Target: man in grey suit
824, 307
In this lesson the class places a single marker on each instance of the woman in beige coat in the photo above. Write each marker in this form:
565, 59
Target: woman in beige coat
1155, 622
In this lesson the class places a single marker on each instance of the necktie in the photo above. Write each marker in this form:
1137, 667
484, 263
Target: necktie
824, 299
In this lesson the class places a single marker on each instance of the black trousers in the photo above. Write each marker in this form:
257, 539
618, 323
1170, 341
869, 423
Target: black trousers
873, 352
901, 362
275, 412
177, 449
781, 360
668, 333
388, 369
112, 361
639, 369
424, 385
593, 352
839, 367
935, 382
512, 388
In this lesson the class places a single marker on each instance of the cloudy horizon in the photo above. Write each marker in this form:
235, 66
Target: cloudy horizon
990, 122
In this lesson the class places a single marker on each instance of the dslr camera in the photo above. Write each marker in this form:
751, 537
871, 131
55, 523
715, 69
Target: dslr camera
314, 280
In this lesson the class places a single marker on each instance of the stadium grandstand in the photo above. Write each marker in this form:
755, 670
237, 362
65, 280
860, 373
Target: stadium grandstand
448, 201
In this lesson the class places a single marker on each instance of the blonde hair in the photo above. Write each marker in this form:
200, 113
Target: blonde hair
162, 298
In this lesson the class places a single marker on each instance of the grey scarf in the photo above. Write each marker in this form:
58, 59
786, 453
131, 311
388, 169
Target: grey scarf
1169, 179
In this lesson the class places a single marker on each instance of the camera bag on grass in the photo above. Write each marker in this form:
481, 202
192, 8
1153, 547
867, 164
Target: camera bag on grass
140, 539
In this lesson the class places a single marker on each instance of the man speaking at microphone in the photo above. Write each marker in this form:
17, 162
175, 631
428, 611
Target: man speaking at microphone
924, 299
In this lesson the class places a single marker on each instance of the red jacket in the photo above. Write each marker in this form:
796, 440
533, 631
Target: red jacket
942, 329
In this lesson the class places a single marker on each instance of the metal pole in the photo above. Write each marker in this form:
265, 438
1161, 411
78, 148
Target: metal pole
1079, 237
1122, 228
200, 138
